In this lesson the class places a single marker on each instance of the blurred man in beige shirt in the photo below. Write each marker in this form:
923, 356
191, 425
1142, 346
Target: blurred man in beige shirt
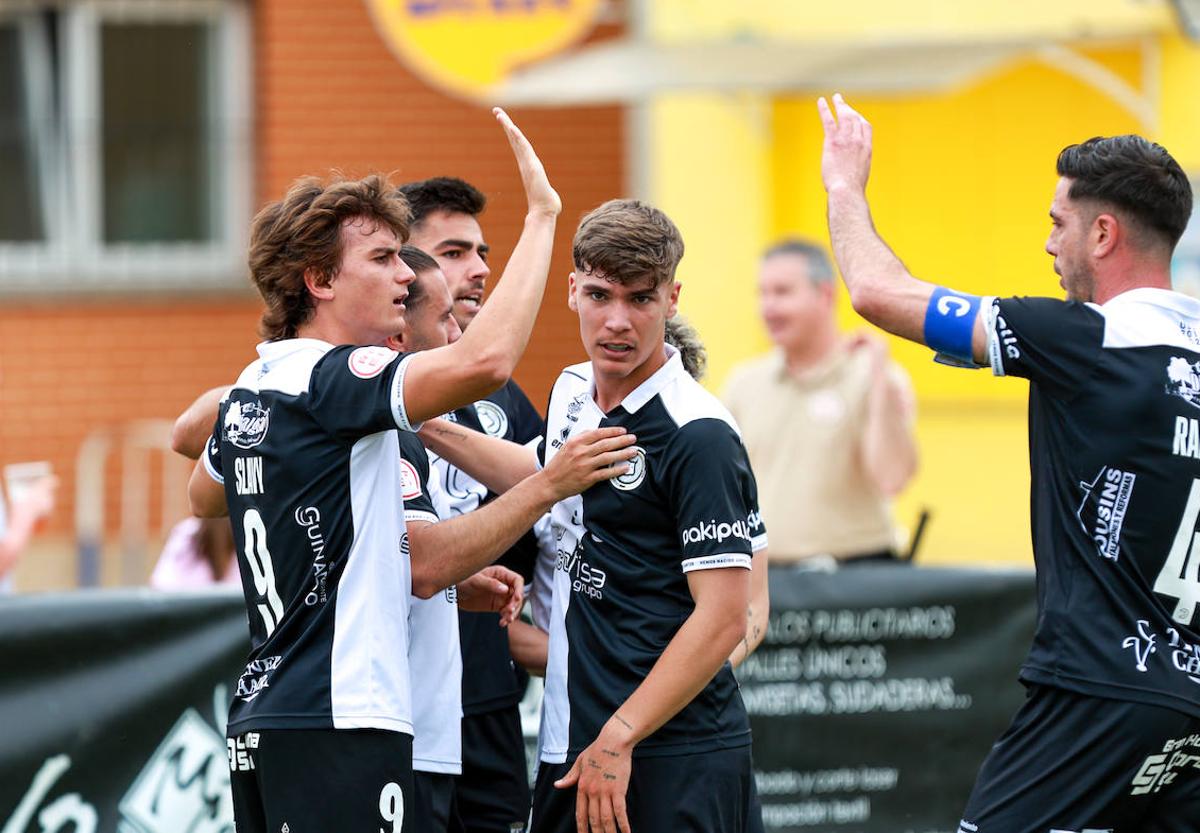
827, 419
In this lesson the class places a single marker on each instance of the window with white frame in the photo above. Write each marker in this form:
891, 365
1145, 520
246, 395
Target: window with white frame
124, 144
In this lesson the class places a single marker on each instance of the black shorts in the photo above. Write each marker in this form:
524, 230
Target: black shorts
709, 792
1070, 762
492, 794
318, 780
433, 794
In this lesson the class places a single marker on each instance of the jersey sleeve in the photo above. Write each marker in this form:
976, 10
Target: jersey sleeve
713, 497
1051, 342
212, 449
524, 422
356, 391
414, 480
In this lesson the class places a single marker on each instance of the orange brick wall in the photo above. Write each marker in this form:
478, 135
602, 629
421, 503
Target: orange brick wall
328, 95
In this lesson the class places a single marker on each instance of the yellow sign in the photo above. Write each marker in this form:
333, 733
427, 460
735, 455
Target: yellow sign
467, 46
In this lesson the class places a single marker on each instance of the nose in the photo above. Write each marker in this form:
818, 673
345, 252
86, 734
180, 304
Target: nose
453, 331
404, 273
479, 269
617, 319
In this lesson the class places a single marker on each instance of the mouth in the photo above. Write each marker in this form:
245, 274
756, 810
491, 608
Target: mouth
471, 300
616, 349
398, 302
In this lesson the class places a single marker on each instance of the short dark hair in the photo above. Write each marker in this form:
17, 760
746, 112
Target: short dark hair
626, 241
303, 231
1134, 175
420, 263
820, 269
442, 193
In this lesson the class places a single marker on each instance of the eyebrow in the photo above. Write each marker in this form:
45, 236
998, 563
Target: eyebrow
463, 244
382, 250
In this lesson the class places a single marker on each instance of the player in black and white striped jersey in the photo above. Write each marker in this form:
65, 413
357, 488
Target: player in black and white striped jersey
1109, 735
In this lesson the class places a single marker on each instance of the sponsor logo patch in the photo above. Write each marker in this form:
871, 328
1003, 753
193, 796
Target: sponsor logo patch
717, 531
246, 424
633, 478
1161, 769
1102, 511
256, 677
369, 362
492, 418
410, 483
1183, 380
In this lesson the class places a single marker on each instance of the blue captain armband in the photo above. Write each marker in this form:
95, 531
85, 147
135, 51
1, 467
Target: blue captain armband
950, 326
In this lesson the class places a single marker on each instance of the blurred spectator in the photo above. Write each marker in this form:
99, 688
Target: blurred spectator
827, 419
17, 526
198, 553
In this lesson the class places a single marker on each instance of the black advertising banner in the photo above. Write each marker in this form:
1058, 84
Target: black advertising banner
878, 691
873, 699
112, 711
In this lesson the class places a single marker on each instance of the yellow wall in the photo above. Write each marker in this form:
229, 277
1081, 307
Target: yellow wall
961, 187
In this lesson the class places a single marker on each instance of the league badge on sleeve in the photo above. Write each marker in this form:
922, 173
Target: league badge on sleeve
410, 483
369, 362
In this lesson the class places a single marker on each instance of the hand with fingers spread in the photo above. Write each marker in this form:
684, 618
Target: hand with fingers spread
600, 776
493, 589
846, 152
588, 458
541, 196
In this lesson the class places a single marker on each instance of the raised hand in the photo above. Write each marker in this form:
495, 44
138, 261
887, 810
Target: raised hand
846, 152
588, 458
542, 198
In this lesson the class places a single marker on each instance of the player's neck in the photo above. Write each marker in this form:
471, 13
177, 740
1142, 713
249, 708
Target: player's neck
611, 390
1138, 274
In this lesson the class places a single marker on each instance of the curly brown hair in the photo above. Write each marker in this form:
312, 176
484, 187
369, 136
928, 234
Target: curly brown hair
303, 231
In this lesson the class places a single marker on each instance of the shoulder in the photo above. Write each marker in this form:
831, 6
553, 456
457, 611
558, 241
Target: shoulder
1147, 317
694, 410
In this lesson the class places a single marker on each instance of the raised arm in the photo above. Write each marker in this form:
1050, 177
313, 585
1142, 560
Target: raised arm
881, 288
496, 463
194, 426
447, 552
438, 381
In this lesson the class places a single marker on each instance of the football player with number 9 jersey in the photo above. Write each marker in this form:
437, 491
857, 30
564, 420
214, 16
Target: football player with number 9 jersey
305, 460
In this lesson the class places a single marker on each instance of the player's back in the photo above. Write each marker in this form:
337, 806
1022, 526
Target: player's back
313, 478
1115, 459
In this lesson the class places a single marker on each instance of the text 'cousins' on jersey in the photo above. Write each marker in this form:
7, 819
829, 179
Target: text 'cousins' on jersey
624, 547
1114, 441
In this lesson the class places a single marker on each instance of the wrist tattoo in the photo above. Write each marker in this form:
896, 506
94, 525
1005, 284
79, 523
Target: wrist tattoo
610, 753
623, 722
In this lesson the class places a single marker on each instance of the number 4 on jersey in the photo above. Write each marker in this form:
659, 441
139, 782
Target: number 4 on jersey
1179, 578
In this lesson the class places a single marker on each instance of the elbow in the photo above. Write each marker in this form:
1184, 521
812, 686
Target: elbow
424, 587
425, 582
494, 369
865, 299
179, 440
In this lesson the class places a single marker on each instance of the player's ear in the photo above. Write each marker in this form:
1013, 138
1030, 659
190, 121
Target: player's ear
571, 293
673, 299
1105, 233
318, 287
